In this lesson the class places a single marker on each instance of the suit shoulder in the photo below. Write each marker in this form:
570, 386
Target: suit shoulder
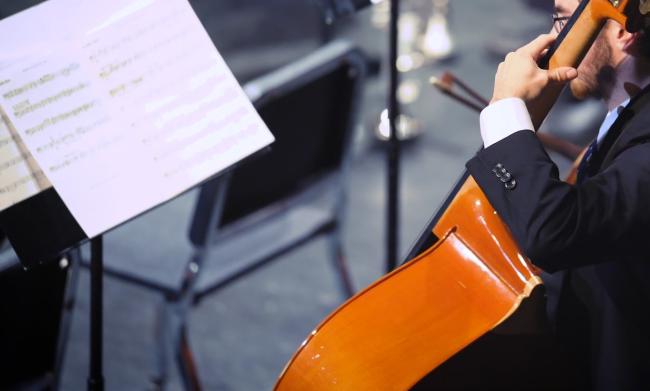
639, 126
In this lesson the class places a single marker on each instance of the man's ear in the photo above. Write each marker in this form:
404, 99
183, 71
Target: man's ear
623, 37
627, 41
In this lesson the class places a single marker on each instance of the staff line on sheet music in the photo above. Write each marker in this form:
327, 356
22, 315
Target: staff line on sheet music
62, 117
41, 81
20, 111
134, 36
115, 66
73, 136
199, 136
27, 179
216, 152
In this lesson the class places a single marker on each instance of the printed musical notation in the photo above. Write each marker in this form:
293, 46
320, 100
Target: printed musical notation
133, 108
20, 175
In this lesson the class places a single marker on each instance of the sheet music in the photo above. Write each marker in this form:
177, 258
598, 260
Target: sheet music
129, 106
20, 176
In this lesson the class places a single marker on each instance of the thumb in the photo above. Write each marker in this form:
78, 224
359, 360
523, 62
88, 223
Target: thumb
536, 47
562, 74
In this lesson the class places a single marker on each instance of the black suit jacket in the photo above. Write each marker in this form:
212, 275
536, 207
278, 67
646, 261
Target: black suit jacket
598, 231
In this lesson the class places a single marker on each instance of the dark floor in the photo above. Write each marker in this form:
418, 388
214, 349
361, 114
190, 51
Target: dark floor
244, 335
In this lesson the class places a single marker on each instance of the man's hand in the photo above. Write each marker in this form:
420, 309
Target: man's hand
518, 76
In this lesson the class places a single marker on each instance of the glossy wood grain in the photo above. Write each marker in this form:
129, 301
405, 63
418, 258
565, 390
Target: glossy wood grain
393, 333
417, 317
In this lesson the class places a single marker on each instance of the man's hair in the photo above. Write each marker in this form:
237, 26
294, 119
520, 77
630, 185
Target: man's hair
641, 24
644, 42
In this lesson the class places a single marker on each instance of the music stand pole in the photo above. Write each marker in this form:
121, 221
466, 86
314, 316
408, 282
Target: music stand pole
96, 377
393, 144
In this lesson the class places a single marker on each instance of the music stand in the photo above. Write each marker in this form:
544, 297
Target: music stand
310, 105
42, 228
59, 233
45, 216
39, 303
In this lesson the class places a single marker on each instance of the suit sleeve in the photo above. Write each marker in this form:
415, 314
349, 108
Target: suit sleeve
558, 225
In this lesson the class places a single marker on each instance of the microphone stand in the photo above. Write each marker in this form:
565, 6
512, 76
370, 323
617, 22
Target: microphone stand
338, 8
393, 156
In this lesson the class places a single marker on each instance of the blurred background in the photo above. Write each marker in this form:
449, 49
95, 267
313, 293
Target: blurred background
240, 332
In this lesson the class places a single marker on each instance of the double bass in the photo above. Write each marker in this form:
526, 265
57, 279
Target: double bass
465, 277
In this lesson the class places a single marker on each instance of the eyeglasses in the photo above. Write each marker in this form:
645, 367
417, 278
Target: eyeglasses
559, 22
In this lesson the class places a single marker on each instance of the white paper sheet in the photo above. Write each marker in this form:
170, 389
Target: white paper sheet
20, 175
127, 106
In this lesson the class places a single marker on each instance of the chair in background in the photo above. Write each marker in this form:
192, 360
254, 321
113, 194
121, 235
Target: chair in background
267, 205
279, 200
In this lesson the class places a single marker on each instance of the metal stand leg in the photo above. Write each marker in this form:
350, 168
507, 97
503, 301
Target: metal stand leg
172, 335
186, 362
340, 265
176, 325
173, 345
96, 376
74, 263
163, 346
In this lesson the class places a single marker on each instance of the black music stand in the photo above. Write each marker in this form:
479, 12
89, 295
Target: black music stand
42, 229
44, 219
40, 304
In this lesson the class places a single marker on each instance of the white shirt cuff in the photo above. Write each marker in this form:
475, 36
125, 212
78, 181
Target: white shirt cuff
503, 118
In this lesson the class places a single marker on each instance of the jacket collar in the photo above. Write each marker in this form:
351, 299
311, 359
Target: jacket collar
616, 139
